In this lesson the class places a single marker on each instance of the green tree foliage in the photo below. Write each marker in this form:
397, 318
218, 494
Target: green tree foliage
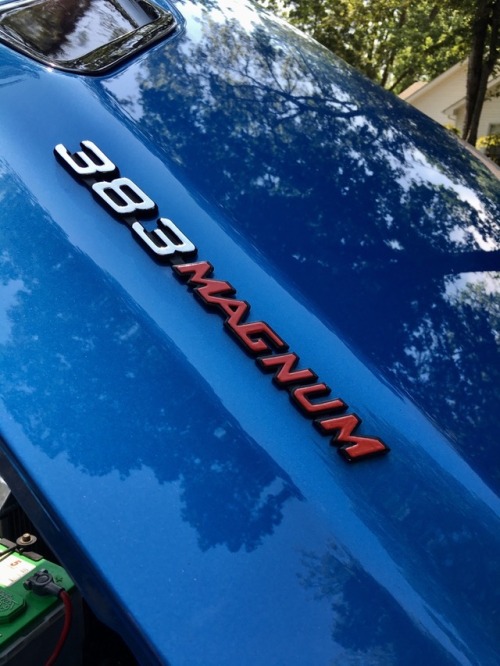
393, 42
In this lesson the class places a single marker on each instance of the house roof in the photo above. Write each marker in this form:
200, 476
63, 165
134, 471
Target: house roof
411, 93
408, 92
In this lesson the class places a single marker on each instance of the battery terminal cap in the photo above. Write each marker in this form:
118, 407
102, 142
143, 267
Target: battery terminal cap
42, 583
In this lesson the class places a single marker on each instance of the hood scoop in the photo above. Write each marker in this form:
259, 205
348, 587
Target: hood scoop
83, 36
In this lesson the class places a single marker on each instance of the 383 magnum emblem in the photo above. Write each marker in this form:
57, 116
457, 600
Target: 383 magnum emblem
125, 200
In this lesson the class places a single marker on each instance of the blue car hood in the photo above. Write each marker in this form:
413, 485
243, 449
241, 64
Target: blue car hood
200, 512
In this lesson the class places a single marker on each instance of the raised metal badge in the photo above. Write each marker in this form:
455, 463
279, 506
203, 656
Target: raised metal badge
311, 397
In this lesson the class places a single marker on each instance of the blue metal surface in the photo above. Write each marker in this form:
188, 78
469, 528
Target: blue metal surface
197, 511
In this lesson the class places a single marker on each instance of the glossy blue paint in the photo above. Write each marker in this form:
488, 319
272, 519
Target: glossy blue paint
199, 513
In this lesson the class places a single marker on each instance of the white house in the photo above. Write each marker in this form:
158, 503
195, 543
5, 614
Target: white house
443, 99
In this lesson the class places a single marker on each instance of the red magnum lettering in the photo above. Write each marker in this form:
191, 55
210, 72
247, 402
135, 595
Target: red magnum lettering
300, 397
197, 274
285, 373
256, 337
352, 447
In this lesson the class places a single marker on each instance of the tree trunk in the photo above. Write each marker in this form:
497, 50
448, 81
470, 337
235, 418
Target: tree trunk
482, 60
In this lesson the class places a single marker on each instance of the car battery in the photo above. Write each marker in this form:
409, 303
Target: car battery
33, 617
